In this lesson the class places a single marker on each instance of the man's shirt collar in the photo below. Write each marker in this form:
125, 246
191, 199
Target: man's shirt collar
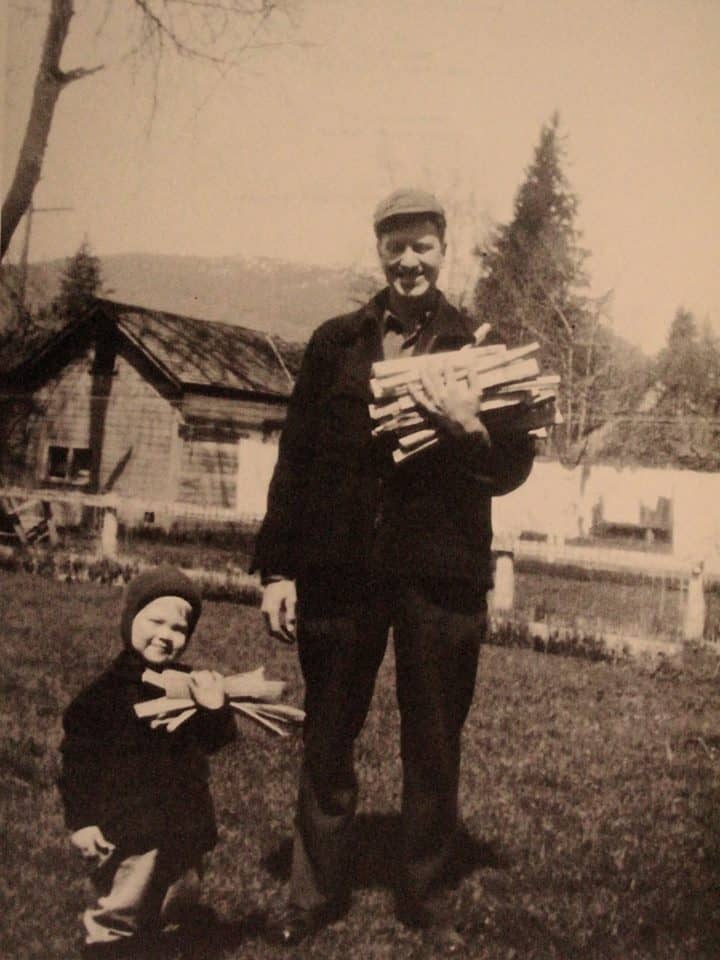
407, 327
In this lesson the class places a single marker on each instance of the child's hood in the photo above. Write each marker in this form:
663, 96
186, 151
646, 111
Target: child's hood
162, 581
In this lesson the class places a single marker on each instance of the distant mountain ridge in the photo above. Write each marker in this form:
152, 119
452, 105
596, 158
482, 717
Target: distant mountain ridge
286, 299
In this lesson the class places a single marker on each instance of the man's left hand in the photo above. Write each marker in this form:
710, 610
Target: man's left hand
454, 405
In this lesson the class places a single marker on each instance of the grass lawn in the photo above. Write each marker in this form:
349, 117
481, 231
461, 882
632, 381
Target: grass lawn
591, 792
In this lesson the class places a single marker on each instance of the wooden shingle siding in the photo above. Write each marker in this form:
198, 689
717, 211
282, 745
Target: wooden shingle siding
66, 404
140, 427
61, 417
208, 473
244, 414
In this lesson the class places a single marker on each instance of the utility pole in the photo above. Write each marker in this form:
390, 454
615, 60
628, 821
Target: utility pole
24, 253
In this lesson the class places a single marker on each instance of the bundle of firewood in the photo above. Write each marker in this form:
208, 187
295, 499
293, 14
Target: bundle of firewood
248, 693
513, 396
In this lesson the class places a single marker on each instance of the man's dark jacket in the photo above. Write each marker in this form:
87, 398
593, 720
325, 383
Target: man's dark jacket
337, 500
144, 788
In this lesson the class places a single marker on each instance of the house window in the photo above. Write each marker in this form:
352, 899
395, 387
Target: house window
68, 464
57, 463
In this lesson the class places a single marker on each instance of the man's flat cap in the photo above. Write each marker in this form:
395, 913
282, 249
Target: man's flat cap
406, 201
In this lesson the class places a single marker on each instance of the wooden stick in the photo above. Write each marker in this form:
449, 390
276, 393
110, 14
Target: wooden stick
252, 685
420, 437
400, 455
248, 710
386, 368
172, 723
517, 371
282, 711
161, 705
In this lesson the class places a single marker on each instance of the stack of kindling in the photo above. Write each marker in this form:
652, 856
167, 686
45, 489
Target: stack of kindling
514, 397
249, 693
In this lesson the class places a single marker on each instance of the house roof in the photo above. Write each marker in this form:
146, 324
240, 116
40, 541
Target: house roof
190, 352
201, 353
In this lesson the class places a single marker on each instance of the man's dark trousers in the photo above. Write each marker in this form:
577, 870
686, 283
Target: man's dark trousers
342, 636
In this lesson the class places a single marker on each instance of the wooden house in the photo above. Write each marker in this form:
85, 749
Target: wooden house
150, 406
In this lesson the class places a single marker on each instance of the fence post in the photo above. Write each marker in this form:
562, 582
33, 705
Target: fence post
694, 624
504, 591
503, 547
108, 536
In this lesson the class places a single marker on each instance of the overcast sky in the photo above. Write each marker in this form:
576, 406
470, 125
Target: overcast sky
287, 155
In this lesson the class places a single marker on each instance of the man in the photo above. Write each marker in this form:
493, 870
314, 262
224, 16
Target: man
365, 545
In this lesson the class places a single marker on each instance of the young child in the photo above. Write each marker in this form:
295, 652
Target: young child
137, 799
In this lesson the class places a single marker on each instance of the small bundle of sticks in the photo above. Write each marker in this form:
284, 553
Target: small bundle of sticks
248, 693
514, 397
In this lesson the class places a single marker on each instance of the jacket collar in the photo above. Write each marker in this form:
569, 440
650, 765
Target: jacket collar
446, 328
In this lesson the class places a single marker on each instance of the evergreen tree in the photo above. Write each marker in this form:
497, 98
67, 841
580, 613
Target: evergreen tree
80, 281
680, 367
678, 424
532, 286
688, 380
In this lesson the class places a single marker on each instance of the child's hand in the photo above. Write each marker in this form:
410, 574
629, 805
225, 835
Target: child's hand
92, 844
206, 689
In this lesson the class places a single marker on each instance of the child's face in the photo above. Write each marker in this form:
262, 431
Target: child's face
160, 630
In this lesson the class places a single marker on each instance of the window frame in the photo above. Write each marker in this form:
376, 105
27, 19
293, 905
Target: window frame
78, 465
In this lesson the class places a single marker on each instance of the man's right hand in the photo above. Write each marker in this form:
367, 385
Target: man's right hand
278, 607
92, 844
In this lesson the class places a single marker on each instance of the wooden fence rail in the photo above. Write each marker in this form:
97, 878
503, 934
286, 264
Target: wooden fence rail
506, 548
112, 506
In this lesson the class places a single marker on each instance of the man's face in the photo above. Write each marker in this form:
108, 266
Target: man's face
160, 630
411, 255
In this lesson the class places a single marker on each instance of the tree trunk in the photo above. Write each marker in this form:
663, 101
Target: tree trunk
48, 84
568, 381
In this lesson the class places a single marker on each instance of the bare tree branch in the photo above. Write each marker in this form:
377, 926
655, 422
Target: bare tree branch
79, 73
197, 30
551, 300
49, 83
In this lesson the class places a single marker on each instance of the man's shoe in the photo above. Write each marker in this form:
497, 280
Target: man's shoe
296, 924
434, 923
